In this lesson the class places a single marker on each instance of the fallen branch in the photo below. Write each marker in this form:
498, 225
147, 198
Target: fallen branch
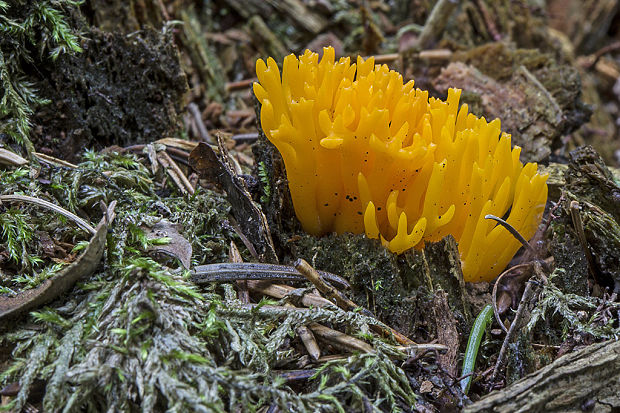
586, 380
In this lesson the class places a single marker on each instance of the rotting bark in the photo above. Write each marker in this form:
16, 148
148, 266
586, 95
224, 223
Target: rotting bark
250, 217
446, 333
586, 380
585, 232
586, 22
589, 178
557, 177
536, 98
120, 90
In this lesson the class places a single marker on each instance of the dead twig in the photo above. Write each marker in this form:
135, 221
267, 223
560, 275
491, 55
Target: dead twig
202, 129
281, 291
411, 349
430, 54
40, 202
175, 172
240, 85
315, 278
178, 155
9, 158
164, 11
181, 144
242, 285
235, 227
309, 342
329, 335
488, 20
386, 58
226, 272
341, 340
532, 289
436, 22
245, 137
313, 300
307, 339
594, 58
53, 161
343, 302
494, 294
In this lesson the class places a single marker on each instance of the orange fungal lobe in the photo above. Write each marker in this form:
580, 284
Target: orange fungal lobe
365, 153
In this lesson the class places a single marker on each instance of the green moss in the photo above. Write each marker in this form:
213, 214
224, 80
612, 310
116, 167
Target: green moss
31, 31
137, 335
398, 290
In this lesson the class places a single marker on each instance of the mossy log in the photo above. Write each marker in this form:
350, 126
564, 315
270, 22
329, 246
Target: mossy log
586, 380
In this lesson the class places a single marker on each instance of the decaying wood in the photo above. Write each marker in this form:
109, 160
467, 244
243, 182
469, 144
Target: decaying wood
218, 168
532, 130
447, 333
586, 380
436, 22
51, 288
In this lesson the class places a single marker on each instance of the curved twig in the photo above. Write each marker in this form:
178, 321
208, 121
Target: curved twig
494, 294
24, 198
512, 230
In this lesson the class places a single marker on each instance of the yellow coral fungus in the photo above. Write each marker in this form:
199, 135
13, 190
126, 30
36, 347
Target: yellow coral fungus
366, 153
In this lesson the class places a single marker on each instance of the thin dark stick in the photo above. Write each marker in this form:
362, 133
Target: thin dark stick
202, 130
532, 289
226, 272
512, 230
245, 137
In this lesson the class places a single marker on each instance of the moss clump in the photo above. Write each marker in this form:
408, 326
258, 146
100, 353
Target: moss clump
137, 335
32, 32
